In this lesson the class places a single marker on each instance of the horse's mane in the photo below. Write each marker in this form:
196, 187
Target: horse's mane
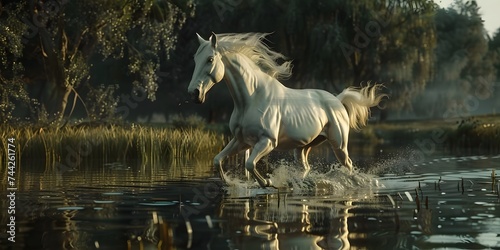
252, 46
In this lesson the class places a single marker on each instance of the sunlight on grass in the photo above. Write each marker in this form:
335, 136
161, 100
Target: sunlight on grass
76, 146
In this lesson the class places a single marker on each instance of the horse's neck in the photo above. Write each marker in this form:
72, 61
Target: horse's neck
241, 80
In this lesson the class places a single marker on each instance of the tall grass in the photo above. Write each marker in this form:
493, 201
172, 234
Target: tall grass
473, 135
72, 147
476, 135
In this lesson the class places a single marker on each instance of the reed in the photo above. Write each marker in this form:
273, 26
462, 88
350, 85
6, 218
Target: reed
73, 146
472, 135
476, 134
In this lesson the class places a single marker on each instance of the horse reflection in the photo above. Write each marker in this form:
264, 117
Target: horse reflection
338, 237
283, 223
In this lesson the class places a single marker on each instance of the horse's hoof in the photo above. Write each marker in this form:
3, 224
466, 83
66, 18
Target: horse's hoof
223, 177
223, 180
269, 183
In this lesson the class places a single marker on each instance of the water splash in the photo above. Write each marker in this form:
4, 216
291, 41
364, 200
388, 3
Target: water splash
241, 186
399, 163
336, 178
324, 179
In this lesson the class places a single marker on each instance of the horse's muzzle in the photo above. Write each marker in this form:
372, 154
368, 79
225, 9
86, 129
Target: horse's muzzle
195, 96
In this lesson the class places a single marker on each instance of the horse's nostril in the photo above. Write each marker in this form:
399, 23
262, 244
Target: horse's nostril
195, 95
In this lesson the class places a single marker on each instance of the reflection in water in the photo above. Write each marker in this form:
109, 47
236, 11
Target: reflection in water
181, 207
54, 230
284, 221
423, 216
338, 238
114, 173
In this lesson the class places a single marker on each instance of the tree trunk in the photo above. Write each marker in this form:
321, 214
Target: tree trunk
56, 91
55, 99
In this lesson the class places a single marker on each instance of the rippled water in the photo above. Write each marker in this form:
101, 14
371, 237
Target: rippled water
443, 202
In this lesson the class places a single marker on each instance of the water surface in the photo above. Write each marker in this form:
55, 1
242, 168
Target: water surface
441, 202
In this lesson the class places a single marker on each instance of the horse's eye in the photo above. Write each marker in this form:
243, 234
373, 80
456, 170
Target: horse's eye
210, 59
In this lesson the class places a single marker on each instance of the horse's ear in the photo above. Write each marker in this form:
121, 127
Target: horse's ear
213, 39
200, 39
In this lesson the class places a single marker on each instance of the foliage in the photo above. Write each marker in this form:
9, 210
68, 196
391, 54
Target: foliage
338, 43
475, 134
59, 39
464, 64
101, 103
120, 24
467, 125
51, 50
12, 91
494, 46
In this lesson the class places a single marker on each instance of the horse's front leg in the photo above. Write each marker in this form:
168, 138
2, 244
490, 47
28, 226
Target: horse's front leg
232, 148
263, 147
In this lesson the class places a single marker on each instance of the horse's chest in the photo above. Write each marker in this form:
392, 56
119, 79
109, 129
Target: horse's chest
249, 126
249, 135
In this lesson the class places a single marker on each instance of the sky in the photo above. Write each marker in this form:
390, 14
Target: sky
489, 12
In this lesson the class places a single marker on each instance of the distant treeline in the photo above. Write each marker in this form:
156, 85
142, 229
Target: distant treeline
107, 60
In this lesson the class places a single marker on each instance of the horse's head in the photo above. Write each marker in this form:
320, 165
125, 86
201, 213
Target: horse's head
208, 69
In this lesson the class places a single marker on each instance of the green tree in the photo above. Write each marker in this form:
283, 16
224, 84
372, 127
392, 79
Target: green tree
494, 46
57, 40
336, 43
11, 67
386, 41
465, 71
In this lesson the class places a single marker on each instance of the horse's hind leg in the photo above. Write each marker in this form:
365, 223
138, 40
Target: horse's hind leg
300, 155
338, 137
343, 157
263, 147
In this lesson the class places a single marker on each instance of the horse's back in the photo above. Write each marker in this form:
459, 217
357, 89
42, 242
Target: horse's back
304, 115
316, 98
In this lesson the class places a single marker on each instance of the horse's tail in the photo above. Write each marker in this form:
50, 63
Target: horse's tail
358, 103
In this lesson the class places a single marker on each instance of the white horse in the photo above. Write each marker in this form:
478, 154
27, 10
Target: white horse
268, 116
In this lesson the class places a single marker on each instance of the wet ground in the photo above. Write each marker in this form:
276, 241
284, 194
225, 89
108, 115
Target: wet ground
438, 202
